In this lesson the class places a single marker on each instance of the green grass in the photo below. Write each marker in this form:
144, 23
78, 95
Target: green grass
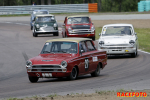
143, 37
14, 15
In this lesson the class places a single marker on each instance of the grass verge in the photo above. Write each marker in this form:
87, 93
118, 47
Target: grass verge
143, 37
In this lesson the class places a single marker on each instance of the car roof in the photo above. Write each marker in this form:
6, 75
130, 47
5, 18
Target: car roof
42, 15
78, 16
118, 25
77, 40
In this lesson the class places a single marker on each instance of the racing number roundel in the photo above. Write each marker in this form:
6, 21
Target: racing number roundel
86, 64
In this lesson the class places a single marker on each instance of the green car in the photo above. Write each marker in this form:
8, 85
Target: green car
45, 24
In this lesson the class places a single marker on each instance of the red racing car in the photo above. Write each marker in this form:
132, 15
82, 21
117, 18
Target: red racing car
78, 26
66, 57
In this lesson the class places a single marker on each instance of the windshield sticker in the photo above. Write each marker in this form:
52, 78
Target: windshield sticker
47, 43
95, 59
104, 30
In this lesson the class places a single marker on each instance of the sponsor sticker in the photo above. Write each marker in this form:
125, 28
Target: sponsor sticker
95, 59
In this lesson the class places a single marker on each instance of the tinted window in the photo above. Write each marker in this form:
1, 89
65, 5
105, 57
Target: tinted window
117, 30
83, 46
90, 46
60, 47
76, 20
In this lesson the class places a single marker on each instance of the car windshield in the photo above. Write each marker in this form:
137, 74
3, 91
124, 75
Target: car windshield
45, 19
40, 12
59, 47
77, 20
117, 31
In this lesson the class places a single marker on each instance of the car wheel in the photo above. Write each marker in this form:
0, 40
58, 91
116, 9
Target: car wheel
73, 74
133, 55
93, 38
31, 27
97, 71
57, 34
33, 79
34, 34
65, 35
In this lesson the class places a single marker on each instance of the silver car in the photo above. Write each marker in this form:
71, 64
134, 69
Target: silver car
118, 39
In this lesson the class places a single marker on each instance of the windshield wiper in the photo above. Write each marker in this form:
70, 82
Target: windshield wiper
46, 52
62, 51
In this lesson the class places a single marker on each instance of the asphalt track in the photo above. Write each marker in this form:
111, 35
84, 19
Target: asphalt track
17, 44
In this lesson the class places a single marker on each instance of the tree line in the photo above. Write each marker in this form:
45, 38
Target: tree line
103, 5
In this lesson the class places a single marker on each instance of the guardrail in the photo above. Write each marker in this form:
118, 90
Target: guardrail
61, 8
144, 6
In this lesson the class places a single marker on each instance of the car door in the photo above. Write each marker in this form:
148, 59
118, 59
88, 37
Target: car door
92, 56
85, 58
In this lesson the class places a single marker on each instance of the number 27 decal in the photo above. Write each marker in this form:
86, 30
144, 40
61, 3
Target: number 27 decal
86, 64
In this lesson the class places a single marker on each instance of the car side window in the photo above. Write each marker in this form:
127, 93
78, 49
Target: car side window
90, 46
83, 46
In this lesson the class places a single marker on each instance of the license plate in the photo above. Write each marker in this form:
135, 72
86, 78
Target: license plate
47, 74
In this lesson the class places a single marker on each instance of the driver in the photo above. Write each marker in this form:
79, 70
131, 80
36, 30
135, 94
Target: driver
73, 49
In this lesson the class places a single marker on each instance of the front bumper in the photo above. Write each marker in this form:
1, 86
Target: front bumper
81, 33
118, 50
46, 30
48, 71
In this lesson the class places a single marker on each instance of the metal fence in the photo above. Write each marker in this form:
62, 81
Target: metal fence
61, 8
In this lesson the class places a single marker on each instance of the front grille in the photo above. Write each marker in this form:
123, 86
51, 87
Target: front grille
116, 44
47, 28
114, 47
46, 68
80, 27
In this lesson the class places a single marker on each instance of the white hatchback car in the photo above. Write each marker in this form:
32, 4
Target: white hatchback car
118, 39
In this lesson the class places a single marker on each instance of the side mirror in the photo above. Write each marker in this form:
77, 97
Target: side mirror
135, 33
64, 24
99, 34
92, 23
81, 51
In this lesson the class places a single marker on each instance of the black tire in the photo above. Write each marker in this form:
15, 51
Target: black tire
34, 34
93, 38
133, 55
31, 27
73, 74
97, 71
56, 34
33, 79
65, 35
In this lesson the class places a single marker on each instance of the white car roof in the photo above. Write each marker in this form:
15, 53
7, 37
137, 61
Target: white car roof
118, 25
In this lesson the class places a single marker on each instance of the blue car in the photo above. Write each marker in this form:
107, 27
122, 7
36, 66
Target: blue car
34, 13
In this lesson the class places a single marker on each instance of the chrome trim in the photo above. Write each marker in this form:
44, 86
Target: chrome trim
47, 68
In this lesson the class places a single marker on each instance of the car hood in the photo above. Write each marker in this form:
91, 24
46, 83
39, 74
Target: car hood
43, 24
51, 58
116, 39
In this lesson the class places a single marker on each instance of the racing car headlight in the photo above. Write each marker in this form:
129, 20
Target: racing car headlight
55, 25
132, 42
69, 29
92, 28
37, 26
64, 64
29, 64
101, 43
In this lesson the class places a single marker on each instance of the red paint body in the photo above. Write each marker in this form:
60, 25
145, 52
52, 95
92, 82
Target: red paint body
79, 31
78, 60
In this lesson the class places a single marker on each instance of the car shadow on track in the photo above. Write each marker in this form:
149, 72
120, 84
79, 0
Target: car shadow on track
120, 56
64, 79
